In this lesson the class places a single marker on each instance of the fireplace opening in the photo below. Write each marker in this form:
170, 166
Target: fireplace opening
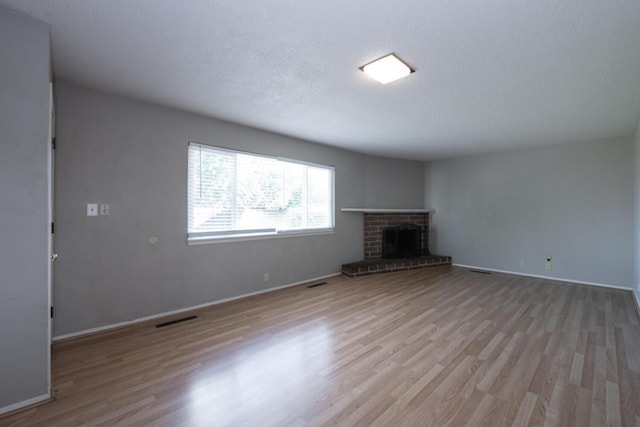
402, 241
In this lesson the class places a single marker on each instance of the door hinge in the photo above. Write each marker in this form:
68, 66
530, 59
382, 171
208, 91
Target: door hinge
53, 228
53, 143
51, 311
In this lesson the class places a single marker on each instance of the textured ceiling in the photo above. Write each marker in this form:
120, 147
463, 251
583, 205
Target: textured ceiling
490, 75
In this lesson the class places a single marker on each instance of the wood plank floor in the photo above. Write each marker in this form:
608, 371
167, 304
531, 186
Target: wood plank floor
441, 346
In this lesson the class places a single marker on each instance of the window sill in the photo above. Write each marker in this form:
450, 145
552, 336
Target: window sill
208, 240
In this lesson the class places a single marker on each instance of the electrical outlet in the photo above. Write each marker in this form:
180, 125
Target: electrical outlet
521, 263
266, 277
104, 209
548, 266
92, 209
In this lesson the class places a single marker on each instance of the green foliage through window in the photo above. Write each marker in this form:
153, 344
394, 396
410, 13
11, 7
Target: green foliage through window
236, 193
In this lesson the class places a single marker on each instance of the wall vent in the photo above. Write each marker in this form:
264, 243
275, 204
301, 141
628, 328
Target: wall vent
317, 284
173, 322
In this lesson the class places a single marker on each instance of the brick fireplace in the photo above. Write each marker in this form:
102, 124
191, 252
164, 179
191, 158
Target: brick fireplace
375, 224
376, 221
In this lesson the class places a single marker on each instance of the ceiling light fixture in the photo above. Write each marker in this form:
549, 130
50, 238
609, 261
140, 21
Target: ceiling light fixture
387, 69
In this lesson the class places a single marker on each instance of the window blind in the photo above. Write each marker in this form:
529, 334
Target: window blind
233, 193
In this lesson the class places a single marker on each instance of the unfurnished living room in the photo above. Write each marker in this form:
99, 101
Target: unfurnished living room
280, 213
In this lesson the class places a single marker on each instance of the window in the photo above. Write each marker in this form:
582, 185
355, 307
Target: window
237, 194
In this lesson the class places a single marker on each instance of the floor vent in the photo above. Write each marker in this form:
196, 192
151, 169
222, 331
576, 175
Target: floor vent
481, 272
317, 284
173, 322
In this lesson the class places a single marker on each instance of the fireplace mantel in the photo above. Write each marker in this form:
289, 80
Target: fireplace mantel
375, 210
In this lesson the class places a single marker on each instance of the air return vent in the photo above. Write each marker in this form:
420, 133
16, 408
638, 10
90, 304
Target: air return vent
317, 284
173, 322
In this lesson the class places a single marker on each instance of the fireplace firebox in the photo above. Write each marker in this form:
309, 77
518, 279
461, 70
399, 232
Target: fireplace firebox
402, 241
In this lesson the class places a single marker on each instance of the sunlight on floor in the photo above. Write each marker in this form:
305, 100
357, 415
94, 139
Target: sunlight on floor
278, 363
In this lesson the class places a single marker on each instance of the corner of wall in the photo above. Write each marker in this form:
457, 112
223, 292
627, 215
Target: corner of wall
24, 184
636, 213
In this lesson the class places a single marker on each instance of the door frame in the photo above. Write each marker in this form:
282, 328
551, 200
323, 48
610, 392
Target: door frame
50, 234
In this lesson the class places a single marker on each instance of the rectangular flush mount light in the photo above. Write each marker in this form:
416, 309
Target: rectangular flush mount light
387, 69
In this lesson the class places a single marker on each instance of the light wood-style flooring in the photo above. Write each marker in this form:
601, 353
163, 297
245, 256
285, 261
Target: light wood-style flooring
439, 346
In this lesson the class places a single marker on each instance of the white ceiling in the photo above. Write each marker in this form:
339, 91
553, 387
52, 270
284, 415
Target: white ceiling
490, 74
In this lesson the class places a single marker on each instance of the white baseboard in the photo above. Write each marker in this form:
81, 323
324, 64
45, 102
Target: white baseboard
560, 279
24, 403
181, 310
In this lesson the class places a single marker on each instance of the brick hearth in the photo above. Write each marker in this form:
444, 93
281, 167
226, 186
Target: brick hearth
375, 266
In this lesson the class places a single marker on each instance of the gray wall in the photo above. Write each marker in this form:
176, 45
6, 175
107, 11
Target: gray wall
133, 156
24, 122
573, 202
389, 185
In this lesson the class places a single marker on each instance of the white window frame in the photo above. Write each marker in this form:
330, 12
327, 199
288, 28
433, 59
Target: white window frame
200, 238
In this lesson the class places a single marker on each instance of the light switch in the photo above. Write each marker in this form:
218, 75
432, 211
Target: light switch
104, 209
92, 209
